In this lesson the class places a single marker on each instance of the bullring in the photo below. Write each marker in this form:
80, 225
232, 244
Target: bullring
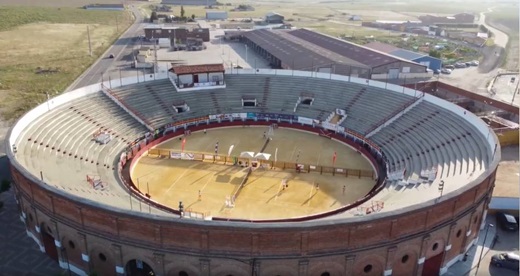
417, 143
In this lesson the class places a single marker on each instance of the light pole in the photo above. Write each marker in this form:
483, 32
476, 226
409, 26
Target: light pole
515, 92
483, 244
48, 99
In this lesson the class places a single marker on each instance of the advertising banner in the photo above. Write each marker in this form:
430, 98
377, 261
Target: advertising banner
175, 155
304, 120
228, 116
271, 116
187, 156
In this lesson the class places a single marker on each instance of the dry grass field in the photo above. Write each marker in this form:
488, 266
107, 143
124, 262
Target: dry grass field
54, 40
505, 18
56, 3
263, 196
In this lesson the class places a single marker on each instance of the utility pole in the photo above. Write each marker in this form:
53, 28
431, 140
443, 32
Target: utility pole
515, 92
117, 25
155, 65
89, 44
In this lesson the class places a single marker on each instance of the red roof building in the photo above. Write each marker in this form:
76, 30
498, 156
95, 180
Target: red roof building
198, 76
197, 69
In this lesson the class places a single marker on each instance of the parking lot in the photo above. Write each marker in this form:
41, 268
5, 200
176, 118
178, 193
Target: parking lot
218, 50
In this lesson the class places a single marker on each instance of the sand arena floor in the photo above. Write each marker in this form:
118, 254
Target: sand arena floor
204, 186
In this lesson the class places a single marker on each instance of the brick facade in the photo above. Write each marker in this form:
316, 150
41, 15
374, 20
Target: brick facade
94, 239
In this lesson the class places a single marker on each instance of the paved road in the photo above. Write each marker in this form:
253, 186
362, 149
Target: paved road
122, 46
500, 37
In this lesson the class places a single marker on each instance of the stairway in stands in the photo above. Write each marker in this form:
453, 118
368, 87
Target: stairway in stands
356, 98
158, 99
394, 116
215, 102
267, 86
320, 116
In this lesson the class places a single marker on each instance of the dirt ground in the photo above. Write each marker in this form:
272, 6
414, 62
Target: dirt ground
262, 197
508, 174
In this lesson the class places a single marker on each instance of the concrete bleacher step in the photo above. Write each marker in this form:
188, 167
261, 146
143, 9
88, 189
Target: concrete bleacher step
356, 98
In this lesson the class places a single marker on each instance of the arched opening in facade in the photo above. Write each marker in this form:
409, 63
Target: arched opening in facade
48, 242
138, 268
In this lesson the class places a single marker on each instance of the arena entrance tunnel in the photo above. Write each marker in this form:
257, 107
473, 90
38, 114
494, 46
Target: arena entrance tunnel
363, 146
137, 267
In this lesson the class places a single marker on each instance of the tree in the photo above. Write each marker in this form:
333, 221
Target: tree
435, 53
182, 12
193, 16
153, 16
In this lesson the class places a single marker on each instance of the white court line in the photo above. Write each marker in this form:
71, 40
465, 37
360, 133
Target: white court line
180, 176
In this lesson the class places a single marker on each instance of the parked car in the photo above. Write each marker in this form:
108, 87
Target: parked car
505, 260
436, 71
449, 67
507, 222
460, 65
446, 71
474, 63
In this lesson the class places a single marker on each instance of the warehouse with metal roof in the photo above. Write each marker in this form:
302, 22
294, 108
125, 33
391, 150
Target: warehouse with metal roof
303, 49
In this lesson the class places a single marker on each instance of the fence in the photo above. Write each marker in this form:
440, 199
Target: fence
240, 161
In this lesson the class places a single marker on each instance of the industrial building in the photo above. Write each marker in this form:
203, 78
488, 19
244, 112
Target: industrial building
216, 15
422, 58
180, 35
302, 49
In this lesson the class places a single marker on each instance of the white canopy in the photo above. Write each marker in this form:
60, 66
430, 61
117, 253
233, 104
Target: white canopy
262, 156
247, 154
